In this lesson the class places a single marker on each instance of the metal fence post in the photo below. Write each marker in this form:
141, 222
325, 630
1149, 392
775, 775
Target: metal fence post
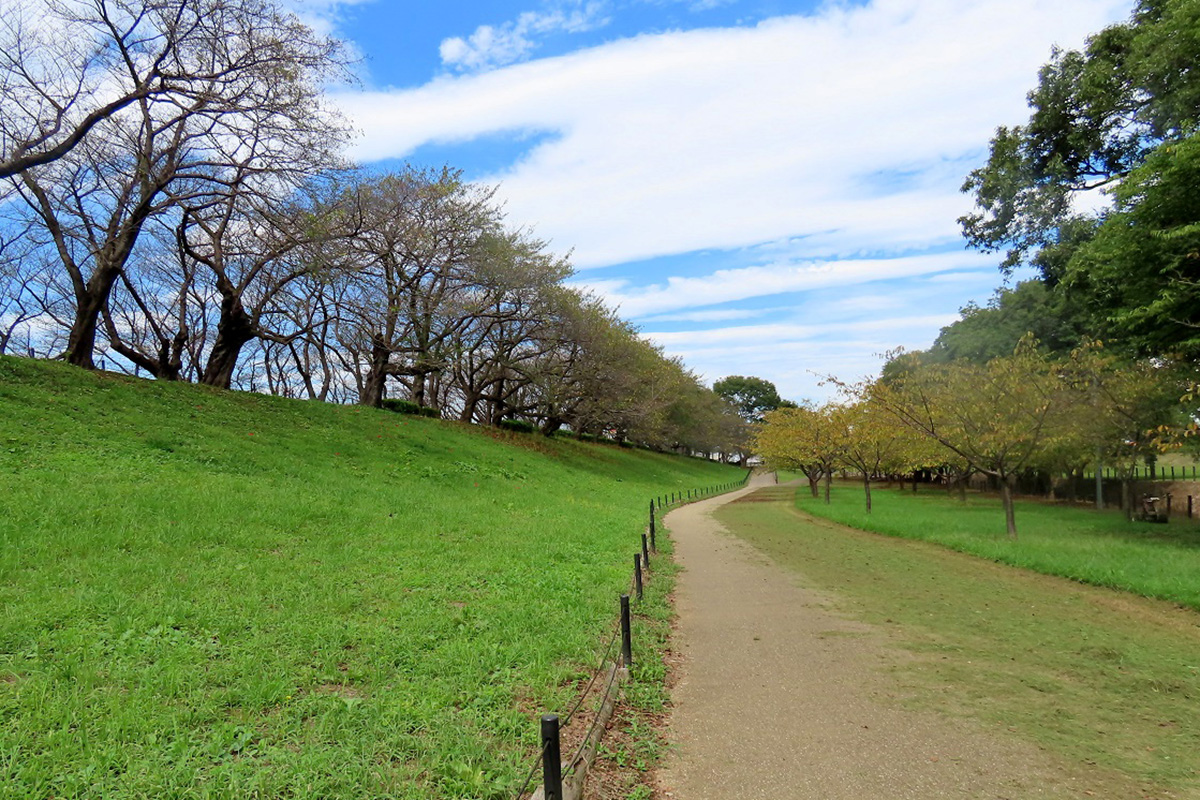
626, 633
551, 758
637, 574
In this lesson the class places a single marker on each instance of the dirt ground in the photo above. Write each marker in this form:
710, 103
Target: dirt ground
777, 696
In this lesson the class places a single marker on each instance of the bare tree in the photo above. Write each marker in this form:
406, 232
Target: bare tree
425, 233
240, 71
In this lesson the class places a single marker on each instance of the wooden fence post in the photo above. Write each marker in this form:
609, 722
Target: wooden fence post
626, 633
551, 758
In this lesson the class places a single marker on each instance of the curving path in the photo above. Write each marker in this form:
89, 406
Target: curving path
780, 697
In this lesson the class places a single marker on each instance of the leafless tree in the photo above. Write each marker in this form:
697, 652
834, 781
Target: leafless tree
238, 72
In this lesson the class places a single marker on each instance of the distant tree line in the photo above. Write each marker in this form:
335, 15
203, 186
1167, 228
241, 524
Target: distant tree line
1007, 417
174, 202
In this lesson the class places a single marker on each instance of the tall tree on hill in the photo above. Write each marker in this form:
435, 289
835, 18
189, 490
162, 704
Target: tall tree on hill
985, 332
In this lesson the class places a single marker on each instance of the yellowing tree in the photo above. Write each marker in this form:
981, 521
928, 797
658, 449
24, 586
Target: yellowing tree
809, 440
1000, 418
875, 443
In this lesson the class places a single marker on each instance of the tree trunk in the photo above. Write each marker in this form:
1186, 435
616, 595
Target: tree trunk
234, 330
814, 483
828, 481
372, 391
1010, 517
962, 488
867, 489
81, 341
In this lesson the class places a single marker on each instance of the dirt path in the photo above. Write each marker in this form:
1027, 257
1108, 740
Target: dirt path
779, 697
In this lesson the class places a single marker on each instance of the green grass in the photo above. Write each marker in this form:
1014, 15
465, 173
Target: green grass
1100, 548
213, 594
1108, 682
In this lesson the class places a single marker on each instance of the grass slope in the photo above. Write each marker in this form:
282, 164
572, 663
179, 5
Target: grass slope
212, 594
1100, 548
1106, 680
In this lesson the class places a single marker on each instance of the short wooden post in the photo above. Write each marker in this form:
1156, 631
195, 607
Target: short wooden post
626, 633
1189, 506
551, 759
1168, 504
637, 574
645, 552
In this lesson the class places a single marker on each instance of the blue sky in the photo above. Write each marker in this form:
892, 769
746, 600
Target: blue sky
766, 187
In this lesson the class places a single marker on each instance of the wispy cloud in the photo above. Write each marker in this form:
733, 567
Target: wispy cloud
722, 138
798, 356
679, 292
491, 46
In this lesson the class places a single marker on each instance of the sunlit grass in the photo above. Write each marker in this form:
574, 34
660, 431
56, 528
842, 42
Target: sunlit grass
211, 594
1101, 548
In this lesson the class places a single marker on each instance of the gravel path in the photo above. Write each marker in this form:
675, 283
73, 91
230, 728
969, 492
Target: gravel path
779, 697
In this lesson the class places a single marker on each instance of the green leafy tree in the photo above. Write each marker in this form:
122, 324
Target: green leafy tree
1120, 116
1140, 275
752, 396
986, 332
805, 439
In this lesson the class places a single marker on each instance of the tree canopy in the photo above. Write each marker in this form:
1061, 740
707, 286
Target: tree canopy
752, 396
1120, 119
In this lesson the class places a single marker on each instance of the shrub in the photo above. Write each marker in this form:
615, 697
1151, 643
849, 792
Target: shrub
409, 407
517, 425
401, 406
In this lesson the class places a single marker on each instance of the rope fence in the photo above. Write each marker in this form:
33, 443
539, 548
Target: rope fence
569, 786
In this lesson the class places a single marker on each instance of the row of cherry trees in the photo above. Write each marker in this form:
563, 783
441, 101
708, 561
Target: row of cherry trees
1004, 418
174, 203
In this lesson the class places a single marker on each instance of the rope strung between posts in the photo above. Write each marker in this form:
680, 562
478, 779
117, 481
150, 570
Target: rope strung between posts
582, 697
612, 679
536, 763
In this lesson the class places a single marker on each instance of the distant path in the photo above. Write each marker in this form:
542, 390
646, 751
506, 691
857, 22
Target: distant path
780, 698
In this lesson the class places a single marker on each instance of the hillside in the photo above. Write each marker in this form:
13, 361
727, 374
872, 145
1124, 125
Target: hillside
214, 594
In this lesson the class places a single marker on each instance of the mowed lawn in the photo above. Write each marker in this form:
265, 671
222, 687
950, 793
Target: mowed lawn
1105, 679
1071, 541
213, 594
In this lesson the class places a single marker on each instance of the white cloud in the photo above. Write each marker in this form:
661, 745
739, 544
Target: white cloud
796, 357
851, 129
729, 285
714, 315
493, 46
